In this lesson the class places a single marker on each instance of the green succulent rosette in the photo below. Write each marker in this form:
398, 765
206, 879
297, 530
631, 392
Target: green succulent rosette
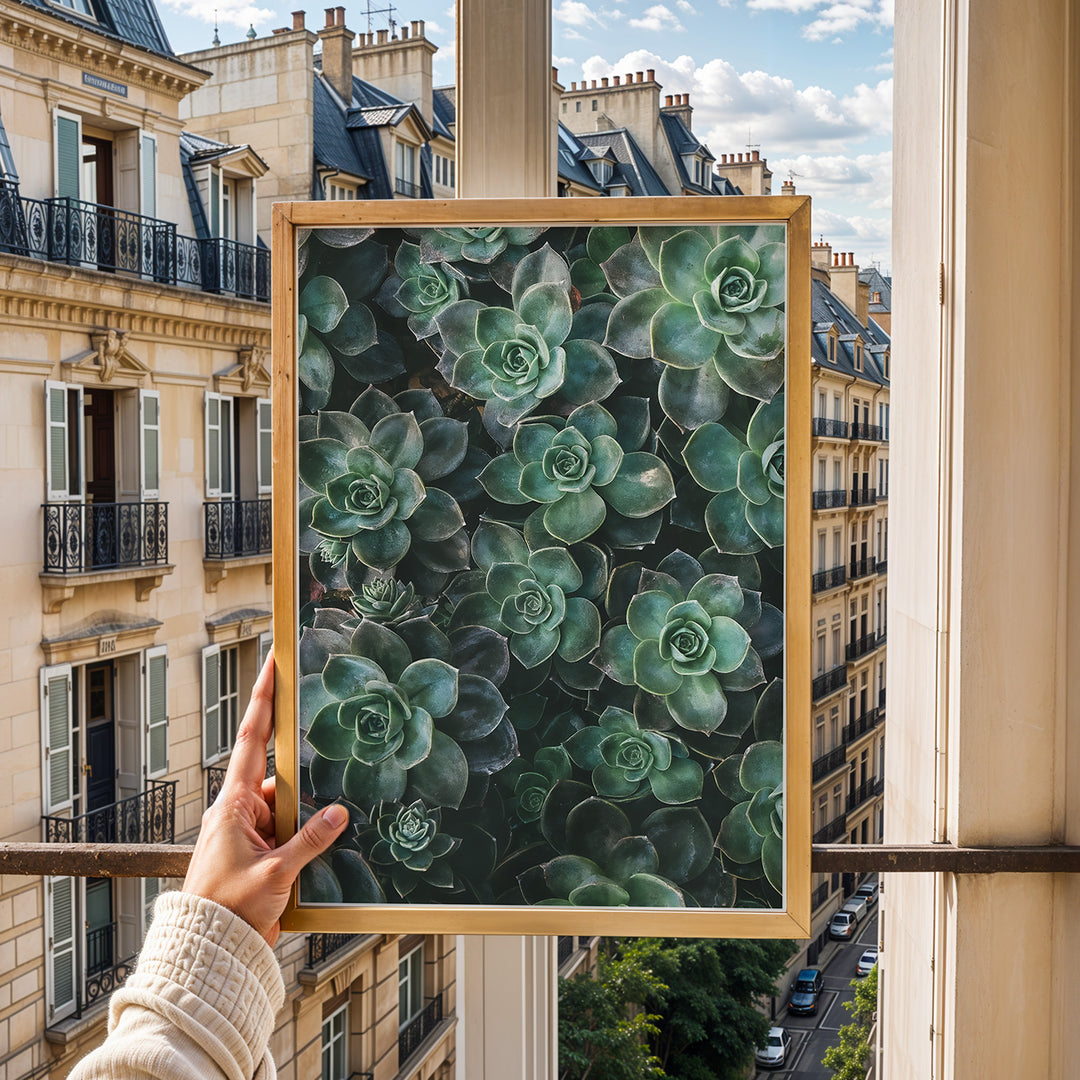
412, 848
530, 781
626, 761
576, 469
481, 244
746, 513
365, 486
419, 290
388, 601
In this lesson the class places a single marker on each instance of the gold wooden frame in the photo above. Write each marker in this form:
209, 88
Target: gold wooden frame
793, 920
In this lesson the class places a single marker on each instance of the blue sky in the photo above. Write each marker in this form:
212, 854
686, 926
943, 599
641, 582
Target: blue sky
810, 81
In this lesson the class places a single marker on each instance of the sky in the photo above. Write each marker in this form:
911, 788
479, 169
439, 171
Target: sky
809, 82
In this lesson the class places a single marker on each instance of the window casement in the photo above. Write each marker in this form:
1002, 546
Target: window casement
577, 106
237, 446
832, 349
858, 356
64, 460
67, 154
61, 966
156, 710
410, 985
218, 445
147, 174
405, 162
79, 7
230, 204
221, 701
335, 1043
335, 190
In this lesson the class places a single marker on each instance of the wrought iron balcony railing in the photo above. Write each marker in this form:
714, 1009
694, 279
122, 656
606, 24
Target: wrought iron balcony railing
869, 432
861, 646
407, 188
862, 724
863, 567
828, 762
104, 972
215, 777
866, 791
99, 237
81, 537
881, 700
828, 500
832, 832
418, 1029
829, 579
237, 527
146, 818
835, 429
863, 496
882, 566
321, 947
828, 682
820, 895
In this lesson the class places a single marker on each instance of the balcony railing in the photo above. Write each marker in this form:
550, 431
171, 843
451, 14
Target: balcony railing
418, 1029
99, 237
870, 432
321, 947
861, 725
80, 537
828, 500
867, 790
881, 700
828, 762
820, 895
835, 429
829, 579
215, 777
237, 527
146, 818
407, 188
863, 567
861, 646
104, 973
882, 566
863, 496
829, 682
832, 832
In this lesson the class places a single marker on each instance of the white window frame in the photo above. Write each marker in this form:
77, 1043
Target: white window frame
149, 432
60, 894
331, 1039
264, 445
220, 453
58, 795
148, 139
410, 976
211, 704
155, 712
64, 494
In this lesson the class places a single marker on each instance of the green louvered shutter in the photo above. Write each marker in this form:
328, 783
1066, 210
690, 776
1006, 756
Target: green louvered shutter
157, 711
150, 443
264, 413
57, 480
68, 155
60, 972
211, 689
55, 684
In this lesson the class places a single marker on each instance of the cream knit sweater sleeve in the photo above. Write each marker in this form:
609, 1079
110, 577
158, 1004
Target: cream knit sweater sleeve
199, 1006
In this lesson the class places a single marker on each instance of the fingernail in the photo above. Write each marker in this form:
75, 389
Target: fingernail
335, 816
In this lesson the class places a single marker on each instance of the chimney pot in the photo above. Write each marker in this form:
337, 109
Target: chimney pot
329, 17
615, 80
594, 84
757, 155
603, 82
415, 31
298, 20
419, 32
836, 259
629, 77
639, 77
740, 157
339, 16
383, 34
573, 86
650, 74
667, 101
404, 33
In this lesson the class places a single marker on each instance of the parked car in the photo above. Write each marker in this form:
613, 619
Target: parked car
805, 992
869, 892
842, 926
867, 961
857, 906
776, 1049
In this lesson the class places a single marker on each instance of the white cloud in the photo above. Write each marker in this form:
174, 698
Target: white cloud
833, 18
657, 19
564, 61
223, 12
575, 13
792, 7
433, 28
572, 35
686, 6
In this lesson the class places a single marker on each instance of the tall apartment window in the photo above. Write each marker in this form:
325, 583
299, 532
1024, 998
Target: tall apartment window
838, 407
228, 673
406, 162
823, 811
822, 404
837, 647
238, 446
594, 104
837, 548
832, 349
820, 654
410, 985
819, 736
858, 356
577, 106
838, 475
838, 800
821, 474
834, 726
821, 550
335, 1044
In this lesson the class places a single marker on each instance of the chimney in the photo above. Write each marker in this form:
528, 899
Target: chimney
404, 33
821, 255
679, 106
615, 80
787, 187
845, 285
650, 75
638, 77
400, 65
337, 46
298, 20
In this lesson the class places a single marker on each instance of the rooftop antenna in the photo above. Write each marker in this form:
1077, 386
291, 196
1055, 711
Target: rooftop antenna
217, 38
388, 11
751, 145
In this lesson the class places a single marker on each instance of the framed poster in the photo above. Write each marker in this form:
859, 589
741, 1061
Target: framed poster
541, 607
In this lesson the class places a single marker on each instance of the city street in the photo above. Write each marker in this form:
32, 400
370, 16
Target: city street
812, 1035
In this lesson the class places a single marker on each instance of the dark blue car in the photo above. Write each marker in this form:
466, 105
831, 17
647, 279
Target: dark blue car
805, 992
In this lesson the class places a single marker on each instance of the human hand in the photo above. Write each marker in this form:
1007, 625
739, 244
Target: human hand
235, 862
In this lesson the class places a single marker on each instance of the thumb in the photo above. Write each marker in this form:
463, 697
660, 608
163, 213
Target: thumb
319, 832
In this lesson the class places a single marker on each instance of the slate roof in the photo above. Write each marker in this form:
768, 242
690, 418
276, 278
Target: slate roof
377, 116
202, 149
683, 141
444, 103
358, 153
878, 284
133, 21
571, 168
828, 310
634, 167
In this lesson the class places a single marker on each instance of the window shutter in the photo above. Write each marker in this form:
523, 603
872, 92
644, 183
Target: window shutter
151, 889
150, 444
148, 174
264, 413
60, 971
156, 684
266, 639
211, 690
226, 417
55, 683
212, 443
68, 154
57, 480
215, 201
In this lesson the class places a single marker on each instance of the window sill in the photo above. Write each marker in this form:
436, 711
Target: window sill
58, 589
65, 1033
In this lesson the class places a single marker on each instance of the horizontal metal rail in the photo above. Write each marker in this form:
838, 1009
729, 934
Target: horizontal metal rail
171, 860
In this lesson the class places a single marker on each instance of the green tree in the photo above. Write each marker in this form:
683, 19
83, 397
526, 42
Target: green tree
851, 1058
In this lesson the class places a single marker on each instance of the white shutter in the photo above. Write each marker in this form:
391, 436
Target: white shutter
264, 445
150, 444
156, 711
148, 174
211, 702
227, 447
212, 444
151, 888
57, 478
60, 960
56, 713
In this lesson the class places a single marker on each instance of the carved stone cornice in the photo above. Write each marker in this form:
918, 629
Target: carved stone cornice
248, 377
109, 361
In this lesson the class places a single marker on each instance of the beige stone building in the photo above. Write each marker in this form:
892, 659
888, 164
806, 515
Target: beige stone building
136, 566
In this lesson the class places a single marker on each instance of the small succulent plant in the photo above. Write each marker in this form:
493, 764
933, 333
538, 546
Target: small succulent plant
477, 244
419, 290
412, 847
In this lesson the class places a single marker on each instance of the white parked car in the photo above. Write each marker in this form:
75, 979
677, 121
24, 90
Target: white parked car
867, 961
776, 1049
842, 926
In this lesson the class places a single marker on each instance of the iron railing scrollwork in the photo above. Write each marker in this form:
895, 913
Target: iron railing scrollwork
863, 567
215, 777
829, 682
407, 188
828, 762
829, 500
832, 832
835, 429
820, 895
829, 579
104, 972
866, 432
868, 789
418, 1029
882, 566
80, 537
866, 496
321, 947
234, 528
861, 646
146, 818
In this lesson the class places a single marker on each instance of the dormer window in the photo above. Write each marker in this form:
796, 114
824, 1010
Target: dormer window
875, 298
858, 356
80, 7
335, 189
832, 349
601, 170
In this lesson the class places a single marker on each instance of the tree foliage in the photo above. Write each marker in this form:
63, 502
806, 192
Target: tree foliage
850, 1059
688, 1004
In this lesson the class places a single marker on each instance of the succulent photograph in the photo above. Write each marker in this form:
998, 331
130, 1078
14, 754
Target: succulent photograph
541, 564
